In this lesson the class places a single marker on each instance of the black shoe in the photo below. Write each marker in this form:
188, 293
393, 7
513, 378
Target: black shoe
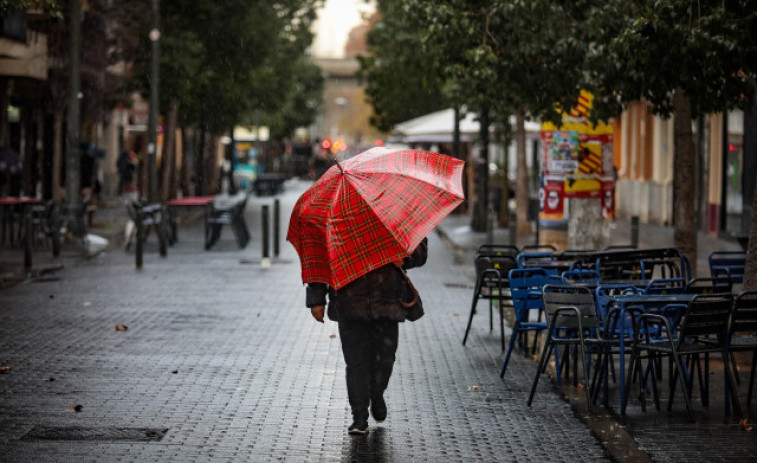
378, 409
359, 427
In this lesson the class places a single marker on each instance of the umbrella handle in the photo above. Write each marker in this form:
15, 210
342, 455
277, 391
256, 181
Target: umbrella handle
415, 293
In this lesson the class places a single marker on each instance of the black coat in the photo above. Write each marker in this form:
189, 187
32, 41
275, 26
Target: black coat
374, 296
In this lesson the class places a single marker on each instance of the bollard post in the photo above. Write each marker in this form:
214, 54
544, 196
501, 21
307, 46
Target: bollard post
635, 231
163, 231
138, 225
55, 227
29, 237
265, 262
276, 213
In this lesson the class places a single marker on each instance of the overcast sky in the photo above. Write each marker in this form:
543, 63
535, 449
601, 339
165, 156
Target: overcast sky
333, 25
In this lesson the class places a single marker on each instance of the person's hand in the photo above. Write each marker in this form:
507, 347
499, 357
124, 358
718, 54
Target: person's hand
318, 312
399, 263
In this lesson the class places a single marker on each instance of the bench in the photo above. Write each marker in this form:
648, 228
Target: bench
729, 263
227, 212
152, 219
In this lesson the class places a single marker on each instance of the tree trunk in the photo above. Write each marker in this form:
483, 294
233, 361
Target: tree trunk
750, 270
57, 152
750, 171
481, 205
200, 160
73, 135
523, 227
685, 232
169, 160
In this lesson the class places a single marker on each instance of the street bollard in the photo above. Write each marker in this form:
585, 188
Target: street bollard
29, 237
265, 262
276, 214
138, 224
55, 227
163, 231
634, 231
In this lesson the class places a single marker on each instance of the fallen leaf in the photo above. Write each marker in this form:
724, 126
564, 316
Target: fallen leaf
749, 428
474, 389
155, 277
581, 385
121, 327
49, 380
332, 335
174, 371
455, 314
742, 423
75, 408
5, 369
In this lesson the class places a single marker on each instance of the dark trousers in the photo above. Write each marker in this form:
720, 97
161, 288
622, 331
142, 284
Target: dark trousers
368, 348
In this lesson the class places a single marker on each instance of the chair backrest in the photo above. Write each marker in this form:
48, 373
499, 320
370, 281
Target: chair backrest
502, 264
604, 297
744, 315
729, 263
642, 264
706, 315
580, 297
535, 259
498, 250
539, 248
577, 277
665, 286
525, 283
716, 285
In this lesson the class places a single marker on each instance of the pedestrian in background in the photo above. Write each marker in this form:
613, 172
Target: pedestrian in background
368, 311
127, 168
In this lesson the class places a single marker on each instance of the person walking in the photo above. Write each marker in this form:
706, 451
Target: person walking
368, 311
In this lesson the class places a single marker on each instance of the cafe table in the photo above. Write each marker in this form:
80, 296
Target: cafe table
205, 202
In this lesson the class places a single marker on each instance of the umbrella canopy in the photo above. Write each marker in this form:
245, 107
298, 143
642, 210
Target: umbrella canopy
371, 210
10, 160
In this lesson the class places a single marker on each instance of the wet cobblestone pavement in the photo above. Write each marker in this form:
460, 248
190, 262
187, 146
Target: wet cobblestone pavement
221, 362
221, 358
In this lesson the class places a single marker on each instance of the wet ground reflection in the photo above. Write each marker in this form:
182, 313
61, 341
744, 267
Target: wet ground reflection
372, 448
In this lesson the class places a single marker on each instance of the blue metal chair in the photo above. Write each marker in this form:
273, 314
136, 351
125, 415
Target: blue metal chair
526, 290
577, 277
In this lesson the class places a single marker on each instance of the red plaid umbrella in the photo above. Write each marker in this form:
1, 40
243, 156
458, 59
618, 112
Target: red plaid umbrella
371, 210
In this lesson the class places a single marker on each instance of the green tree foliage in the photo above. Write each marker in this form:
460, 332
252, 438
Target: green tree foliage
51, 8
687, 59
402, 79
220, 60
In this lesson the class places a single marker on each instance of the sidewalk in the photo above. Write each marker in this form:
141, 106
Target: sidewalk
221, 362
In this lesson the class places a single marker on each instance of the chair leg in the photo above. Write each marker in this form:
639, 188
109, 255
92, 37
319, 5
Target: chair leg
472, 311
680, 372
501, 324
730, 386
513, 337
631, 369
542, 366
587, 385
